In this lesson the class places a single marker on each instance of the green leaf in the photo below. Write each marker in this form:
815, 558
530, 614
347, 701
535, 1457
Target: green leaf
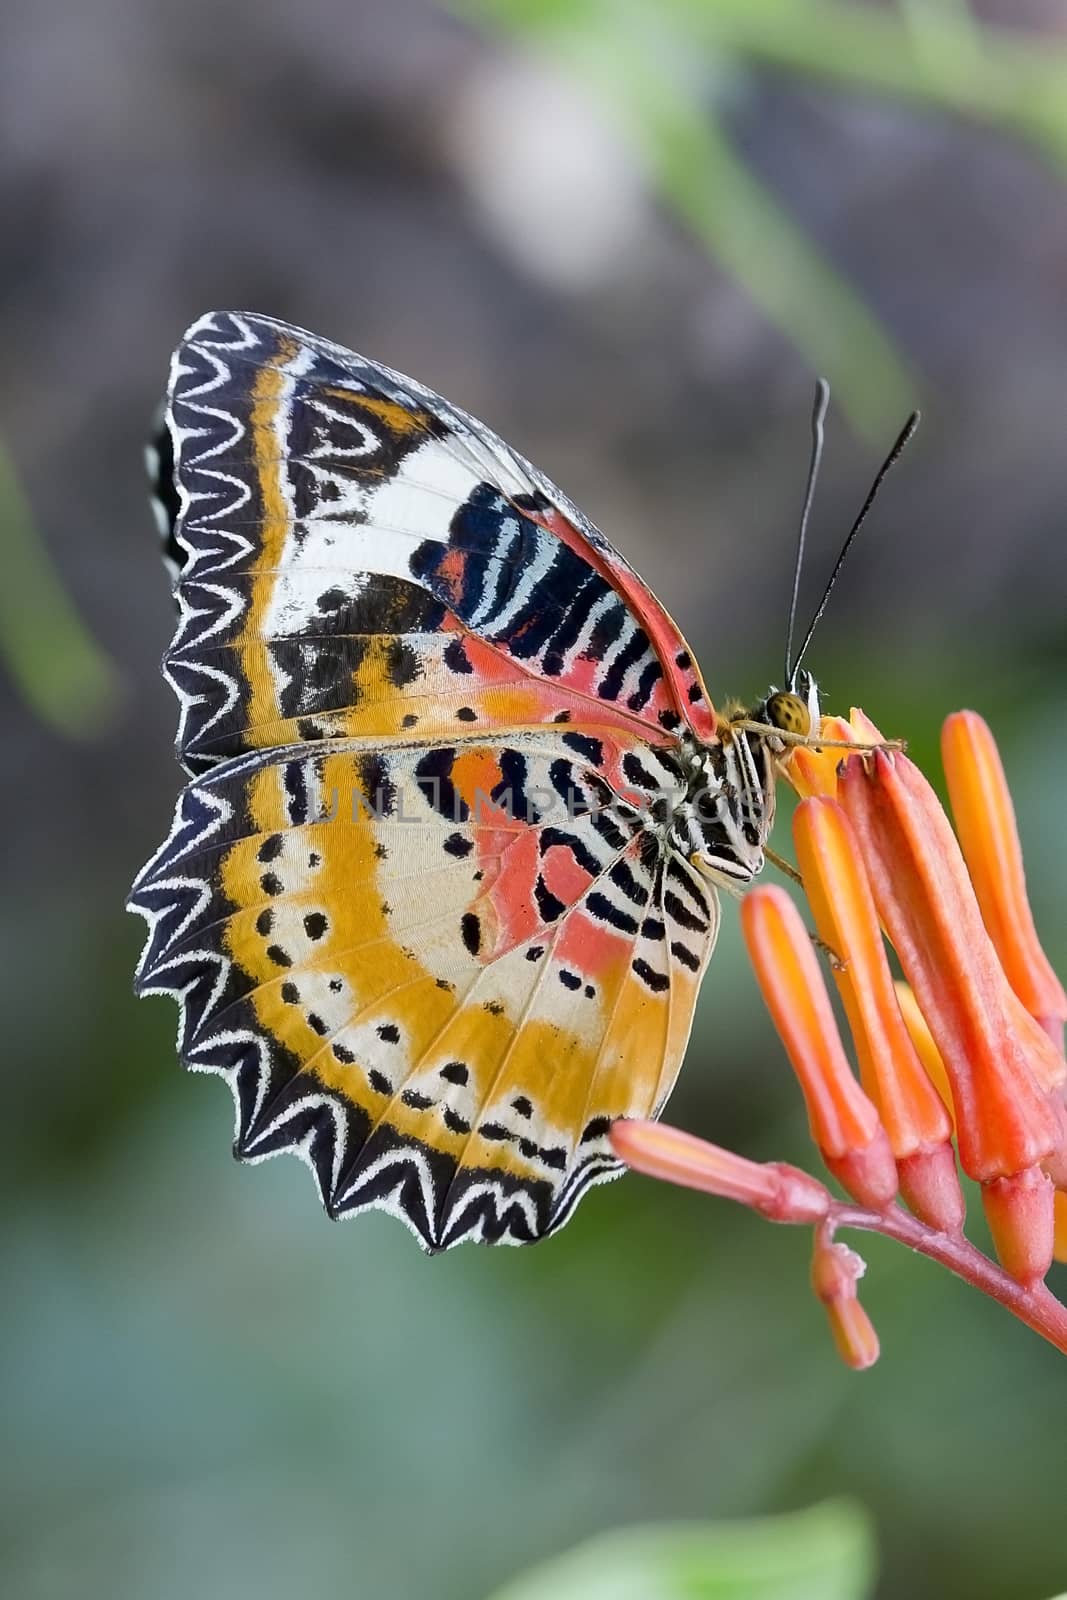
825, 1553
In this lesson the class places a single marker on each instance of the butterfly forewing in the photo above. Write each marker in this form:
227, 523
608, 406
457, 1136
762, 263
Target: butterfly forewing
363, 559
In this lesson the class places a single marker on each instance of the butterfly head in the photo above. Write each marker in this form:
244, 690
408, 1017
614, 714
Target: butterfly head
723, 822
794, 711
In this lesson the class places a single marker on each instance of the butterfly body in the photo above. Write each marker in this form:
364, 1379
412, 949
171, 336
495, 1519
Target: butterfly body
440, 892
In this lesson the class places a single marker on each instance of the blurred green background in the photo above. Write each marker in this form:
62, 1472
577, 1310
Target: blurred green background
627, 235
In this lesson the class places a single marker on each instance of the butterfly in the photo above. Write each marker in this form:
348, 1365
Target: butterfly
440, 892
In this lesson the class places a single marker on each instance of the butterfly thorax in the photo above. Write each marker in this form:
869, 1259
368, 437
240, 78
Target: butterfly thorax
727, 810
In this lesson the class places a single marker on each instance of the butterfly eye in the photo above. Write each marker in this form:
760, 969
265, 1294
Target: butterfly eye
707, 805
788, 712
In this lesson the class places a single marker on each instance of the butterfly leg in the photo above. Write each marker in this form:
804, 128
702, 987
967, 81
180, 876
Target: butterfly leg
787, 740
783, 865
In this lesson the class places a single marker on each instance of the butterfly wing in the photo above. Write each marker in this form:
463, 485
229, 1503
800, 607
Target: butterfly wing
438, 972
432, 937
358, 558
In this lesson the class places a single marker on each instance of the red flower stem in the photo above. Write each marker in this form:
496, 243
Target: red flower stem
1036, 1305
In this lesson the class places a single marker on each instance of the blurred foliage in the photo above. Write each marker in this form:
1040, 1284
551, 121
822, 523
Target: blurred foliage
826, 1553
656, 71
62, 672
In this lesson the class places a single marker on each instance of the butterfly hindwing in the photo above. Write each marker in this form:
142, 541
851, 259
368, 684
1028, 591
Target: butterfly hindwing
436, 971
359, 558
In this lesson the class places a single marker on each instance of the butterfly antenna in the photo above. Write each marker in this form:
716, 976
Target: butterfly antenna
906, 433
818, 418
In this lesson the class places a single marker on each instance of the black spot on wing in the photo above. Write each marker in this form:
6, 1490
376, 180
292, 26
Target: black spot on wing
622, 877
681, 952
606, 629
294, 780
433, 776
512, 792
574, 619
635, 771
379, 791
549, 906
682, 914
595, 1128
611, 684
456, 657
599, 906
592, 750
402, 664
571, 842
651, 673
656, 981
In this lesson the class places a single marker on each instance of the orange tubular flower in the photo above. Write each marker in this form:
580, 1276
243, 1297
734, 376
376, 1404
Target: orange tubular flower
1001, 1066
926, 1049
917, 1124
985, 822
844, 1122
773, 1188
813, 771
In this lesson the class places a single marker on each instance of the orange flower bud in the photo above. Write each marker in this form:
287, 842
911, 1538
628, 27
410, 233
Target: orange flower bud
775, 1189
1020, 1211
930, 1184
985, 822
835, 1271
844, 1123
